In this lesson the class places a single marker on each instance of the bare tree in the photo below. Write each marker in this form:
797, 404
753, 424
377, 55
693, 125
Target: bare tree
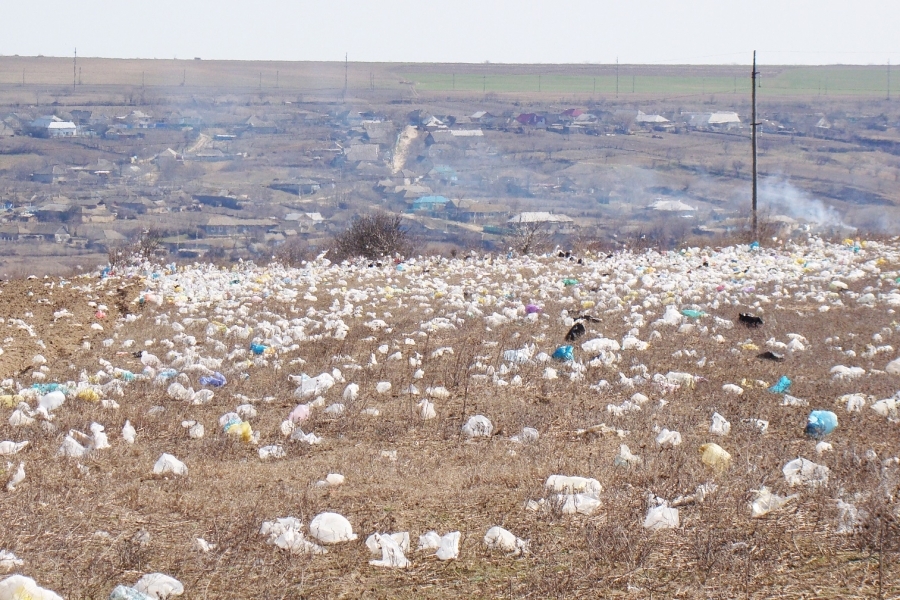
530, 238
292, 252
373, 237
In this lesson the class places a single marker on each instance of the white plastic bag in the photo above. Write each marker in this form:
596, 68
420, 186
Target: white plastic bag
805, 472
391, 552
719, 426
19, 587
478, 426
501, 539
449, 547
331, 528
661, 517
157, 585
169, 464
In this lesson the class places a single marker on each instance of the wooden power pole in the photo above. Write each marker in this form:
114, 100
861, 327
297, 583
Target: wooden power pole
753, 75
74, 69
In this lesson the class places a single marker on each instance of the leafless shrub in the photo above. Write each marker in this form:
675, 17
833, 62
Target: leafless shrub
373, 237
292, 252
530, 238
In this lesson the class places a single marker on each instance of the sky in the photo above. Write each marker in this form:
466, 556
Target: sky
473, 31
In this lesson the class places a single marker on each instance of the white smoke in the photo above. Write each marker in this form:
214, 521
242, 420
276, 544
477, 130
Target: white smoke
779, 197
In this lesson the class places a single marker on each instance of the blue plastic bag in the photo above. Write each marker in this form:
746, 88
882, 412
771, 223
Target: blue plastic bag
257, 349
166, 374
214, 380
820, 423
693, 314
564, 353
783, 385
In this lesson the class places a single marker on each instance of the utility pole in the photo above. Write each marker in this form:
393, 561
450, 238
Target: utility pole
617, 77
75, 69
539, 83
483, 84
346, 71
454, 82
594, 93
753, 75
889, 80
276, 79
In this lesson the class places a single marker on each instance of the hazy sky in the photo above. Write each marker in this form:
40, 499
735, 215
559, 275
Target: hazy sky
529, 31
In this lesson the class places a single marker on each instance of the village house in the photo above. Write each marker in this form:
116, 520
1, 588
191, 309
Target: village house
54, 174
304, 222
223, 225
52, 126
475, 211
299, 187
554, 222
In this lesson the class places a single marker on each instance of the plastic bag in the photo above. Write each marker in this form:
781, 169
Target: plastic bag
661, 517
782, 386
564, 354
391, 553
19, 587
331, 528
169, 464
693, 314
668, 437
478, 426
805, 472
765, 502
214, 380
241, 430
719, 426
820, 423
713, 455
563, 483
159, 586
584, 504
122, 592
449, 547
501, 539
625, 458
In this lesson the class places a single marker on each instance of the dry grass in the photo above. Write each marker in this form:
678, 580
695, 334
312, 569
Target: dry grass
57, 519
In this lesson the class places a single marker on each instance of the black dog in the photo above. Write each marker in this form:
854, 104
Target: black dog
575, 332
750, 320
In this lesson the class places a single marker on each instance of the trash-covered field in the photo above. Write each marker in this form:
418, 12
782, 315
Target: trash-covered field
705, 423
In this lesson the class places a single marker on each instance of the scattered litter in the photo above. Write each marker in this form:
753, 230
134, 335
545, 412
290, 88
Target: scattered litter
820, 423
478, 426
498, 538
765, 502
719, 426
661, 517
781, 386
331, 528
159, 586
169, 464
805, 472
713, 455
19, 587
392, 554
